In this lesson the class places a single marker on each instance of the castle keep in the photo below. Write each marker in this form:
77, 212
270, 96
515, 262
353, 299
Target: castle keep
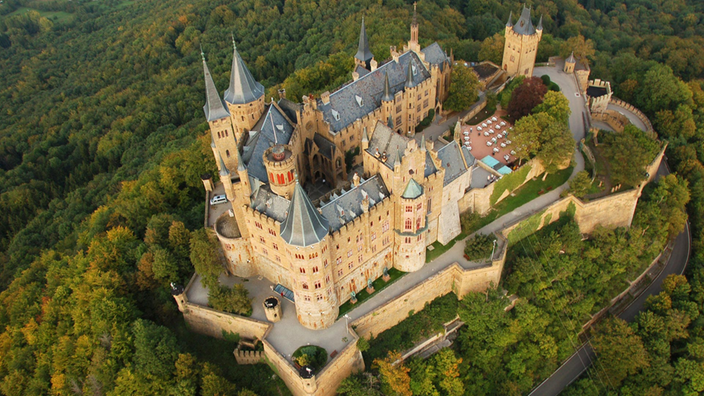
266, 151
521, 45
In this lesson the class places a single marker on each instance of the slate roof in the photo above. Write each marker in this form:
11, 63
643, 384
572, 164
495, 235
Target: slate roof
262, 137
571, 59
510, 19
363, 52
370, 88
214, 107
524, 25
361, 71
303, 226
243, 87
413, 190
434, 54
290, 109
346, 207
326, 147
274, 206
386, 140
452, 161
429, 165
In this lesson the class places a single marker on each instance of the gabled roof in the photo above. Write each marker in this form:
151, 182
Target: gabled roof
370, 88
430, 167
524, 25
346, 207
434, 54
326, 147
214, 107
265, 201
262, 137
243, 87
413, 190
453, 161
303, 226
363, 52
386, 140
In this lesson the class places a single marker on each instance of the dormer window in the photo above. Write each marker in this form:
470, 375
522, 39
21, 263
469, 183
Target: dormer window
413, 68
360, 102
280, 127
335, 115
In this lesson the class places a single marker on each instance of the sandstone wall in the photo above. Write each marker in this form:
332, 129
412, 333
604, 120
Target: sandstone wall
347, 362
284, 369
210, 322
248, 357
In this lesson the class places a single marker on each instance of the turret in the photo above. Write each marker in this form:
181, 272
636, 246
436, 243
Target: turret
221, 131
244, 96
570, 63
364, 56
226, 180
411, 228
245, 188
413, 42
521, 45
305, 230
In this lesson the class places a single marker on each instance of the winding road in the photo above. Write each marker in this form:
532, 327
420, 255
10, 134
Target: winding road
580, 361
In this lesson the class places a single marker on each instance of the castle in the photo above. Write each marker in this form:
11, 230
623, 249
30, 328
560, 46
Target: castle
387, 216
521, 45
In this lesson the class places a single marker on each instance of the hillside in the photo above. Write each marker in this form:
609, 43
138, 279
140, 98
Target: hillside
103, 140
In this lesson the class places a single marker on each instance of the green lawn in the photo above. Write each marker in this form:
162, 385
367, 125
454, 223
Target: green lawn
54, 16
379, 285
528, 192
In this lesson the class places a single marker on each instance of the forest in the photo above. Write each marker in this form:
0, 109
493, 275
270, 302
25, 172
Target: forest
103, 141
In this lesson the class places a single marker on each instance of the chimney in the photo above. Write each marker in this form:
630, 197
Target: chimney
325, 97
355, 179
373, 64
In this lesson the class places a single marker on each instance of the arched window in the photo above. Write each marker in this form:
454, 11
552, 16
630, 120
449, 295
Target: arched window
409, 224
227, 152
418, 223
271, 177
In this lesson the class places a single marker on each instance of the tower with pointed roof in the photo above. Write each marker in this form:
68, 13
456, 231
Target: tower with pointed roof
305, 232
411, 228
570, 63
244, 96
364, 56
218, 117
413, 41
521, 44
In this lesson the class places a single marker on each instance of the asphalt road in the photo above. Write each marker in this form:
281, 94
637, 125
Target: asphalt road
582, 359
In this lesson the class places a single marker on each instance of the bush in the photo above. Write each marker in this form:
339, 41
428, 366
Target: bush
235, 300
479, 247
311, 355
469, 220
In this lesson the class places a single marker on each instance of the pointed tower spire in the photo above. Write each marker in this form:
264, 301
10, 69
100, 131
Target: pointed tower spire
390, 122
510, 19
415, 18
223, 169
364, 55
524, 25
397, 160
304, 226
214, 108
422, 142
409, 76
540, 23
240, 162
365, 137
387, 89
243, 87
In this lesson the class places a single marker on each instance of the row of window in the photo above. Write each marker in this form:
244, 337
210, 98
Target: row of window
281, 178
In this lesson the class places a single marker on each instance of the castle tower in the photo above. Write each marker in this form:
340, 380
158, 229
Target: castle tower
281, 167
178, 293
413, 42
244, 96
521, 45
305, 231
570, 63
411, 228
272, 309
226, 180
364, 56
387, 101
222, 137
244, 186
411, 99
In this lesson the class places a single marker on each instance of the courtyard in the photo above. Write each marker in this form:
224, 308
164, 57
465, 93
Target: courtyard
491, 137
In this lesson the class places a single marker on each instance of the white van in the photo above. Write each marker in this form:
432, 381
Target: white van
218, 199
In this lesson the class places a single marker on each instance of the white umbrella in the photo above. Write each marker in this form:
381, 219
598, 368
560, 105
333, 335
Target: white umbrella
486, 133
466, 133
506, 157
503, 123
496, 149
497, 127
513, 152
484, 124
469, 148
479, 128
503, 144
489, 143
493, 140
493, 118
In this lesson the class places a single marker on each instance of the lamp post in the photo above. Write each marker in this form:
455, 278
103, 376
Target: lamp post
492, 250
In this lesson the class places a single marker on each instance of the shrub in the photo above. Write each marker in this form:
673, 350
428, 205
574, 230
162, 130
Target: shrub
479, 247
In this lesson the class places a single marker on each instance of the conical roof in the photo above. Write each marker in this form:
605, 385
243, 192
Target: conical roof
409, 75
243, 87
363, 52
387, 89
223, 169
214, 107
240, 162
524, 25
413, 190
304, 226
540, 23
510, 19
571, 59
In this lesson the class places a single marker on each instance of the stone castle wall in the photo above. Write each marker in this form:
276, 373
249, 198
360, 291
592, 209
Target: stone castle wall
347, 362
210, 322
248, 357
451, 279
